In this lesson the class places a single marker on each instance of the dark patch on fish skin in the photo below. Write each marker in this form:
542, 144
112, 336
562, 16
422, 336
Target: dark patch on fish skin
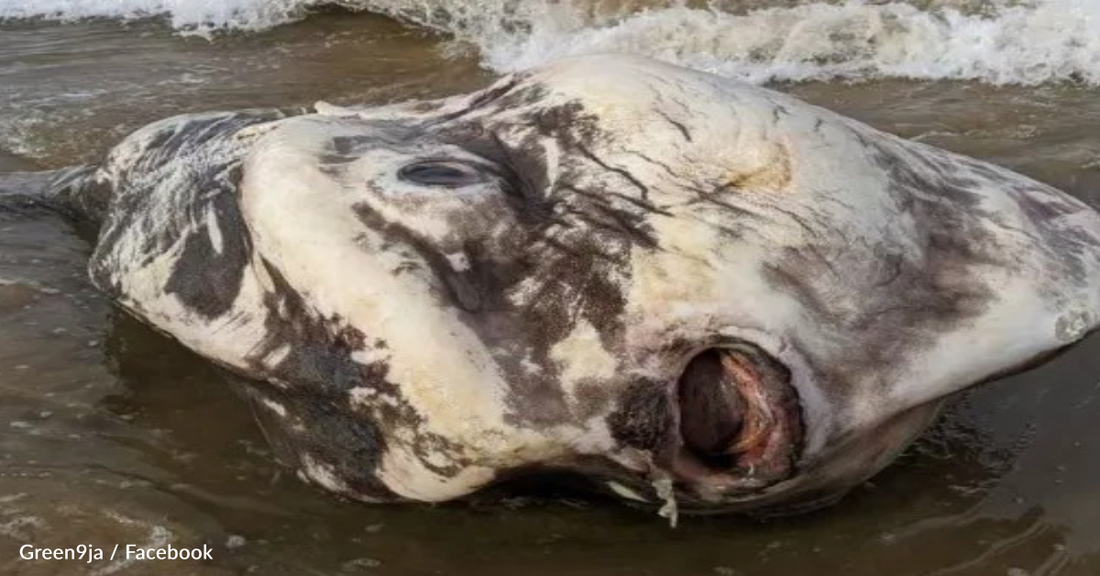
149, 215
591, 396
570, 273
344, 147
644, 417
326, 159
570, 284
570, 245
577, 249
320, 349
462, 286
347, 148
205, 280
569, 124
575, 130
480, 293
328, 431
601, 215
522, 172
1067, 246
496, 92
618, 219
319, 363
529, 95
903, 301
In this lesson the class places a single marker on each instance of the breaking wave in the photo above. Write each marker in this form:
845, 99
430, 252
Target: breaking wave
995, 41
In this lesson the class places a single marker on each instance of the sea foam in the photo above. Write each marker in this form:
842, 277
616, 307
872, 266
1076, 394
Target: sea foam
200, 16
995, 41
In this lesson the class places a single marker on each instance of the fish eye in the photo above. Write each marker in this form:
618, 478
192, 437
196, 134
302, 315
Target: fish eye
442, 173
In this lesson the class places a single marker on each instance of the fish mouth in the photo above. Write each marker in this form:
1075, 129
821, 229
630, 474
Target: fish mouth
738, 425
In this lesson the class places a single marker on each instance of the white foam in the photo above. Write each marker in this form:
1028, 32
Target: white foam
997, 41
189, 15
1027, 44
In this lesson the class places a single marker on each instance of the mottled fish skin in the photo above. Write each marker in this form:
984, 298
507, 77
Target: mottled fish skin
609, 218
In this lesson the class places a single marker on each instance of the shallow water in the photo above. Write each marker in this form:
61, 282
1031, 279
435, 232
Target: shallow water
112, 433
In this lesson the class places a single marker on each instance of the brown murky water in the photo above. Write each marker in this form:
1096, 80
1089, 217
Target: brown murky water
111, 433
